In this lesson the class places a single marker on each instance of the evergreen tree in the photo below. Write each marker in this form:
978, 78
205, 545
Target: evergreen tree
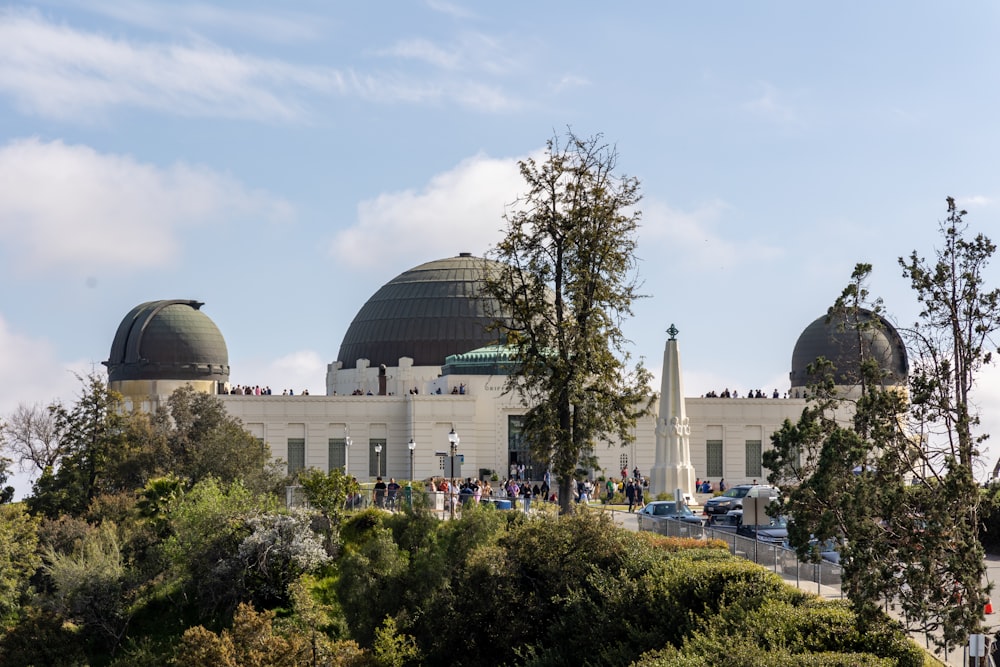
889, 474
91, 439
567, 281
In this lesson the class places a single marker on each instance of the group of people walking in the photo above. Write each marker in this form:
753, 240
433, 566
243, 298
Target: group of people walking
634, 487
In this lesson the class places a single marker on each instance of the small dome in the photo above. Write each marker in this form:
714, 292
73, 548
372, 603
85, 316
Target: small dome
168, 340
841, 343
427, 313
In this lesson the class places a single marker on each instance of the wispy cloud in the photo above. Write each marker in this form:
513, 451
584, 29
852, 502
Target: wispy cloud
770, 104
978, 201
689, 238
451, 9
570, 81
424, 50
57, 71
273, 25
469, 51
72, 207
459, 210
60, 72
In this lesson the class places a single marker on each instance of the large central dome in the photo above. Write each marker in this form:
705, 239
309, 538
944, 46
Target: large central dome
427, 313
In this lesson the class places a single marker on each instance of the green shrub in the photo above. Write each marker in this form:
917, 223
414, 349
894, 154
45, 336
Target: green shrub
681, 543
807, 631
738, 651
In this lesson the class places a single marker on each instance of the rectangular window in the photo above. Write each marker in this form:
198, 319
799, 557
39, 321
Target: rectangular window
376, 460
337, 455
713, 458
753, 458
296, 454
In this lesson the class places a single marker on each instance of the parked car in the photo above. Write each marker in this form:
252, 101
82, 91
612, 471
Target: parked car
732, 499
773, 532
661, 510
829, 550
729, 521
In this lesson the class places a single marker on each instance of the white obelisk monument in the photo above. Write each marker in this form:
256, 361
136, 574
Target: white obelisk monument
672, 468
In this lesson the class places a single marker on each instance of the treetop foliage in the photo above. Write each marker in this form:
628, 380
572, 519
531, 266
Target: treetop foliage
890, 477
566, 282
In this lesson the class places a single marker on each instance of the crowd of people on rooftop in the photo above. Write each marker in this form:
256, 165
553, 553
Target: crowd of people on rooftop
256, 390
753, 393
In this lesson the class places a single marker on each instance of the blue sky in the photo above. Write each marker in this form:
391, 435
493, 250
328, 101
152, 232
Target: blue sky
280, 163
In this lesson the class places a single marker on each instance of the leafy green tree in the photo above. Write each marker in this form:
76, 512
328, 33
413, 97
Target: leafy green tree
6, 491
393, 649
255, 641
91, 440
207, 526
891, 476
18, 554
327, 492
567, 280
204, 441
954, 336
92, 585
279, 548
157, 500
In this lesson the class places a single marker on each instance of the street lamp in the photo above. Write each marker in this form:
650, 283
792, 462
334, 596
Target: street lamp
453, 440
378, 460
411, 445
347, 449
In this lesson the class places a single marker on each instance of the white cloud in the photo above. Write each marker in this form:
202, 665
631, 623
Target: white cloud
469, 51
459, 210
32, 373
980, 201
302, 369
424, 50
76, 208
181, 17
57, 71
689, 238
64, 73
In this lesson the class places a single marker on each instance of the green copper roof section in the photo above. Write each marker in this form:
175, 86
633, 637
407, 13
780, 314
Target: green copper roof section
489, 360
168, 340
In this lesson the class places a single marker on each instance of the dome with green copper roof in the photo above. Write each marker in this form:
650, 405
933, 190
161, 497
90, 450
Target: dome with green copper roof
168, 340
432, 311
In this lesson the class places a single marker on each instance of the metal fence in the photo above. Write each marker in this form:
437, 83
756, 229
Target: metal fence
774, 557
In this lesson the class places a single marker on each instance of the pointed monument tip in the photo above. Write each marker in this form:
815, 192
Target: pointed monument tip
673, 332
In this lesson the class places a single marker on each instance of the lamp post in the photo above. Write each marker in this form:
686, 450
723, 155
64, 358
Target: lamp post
453, 440
411, 445
378, 460
347, 450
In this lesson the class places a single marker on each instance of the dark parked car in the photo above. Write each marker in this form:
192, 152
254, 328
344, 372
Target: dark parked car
729, 521
733, 498
773, 532
660, 510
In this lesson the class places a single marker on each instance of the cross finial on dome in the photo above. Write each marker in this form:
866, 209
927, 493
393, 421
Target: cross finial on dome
673, 332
